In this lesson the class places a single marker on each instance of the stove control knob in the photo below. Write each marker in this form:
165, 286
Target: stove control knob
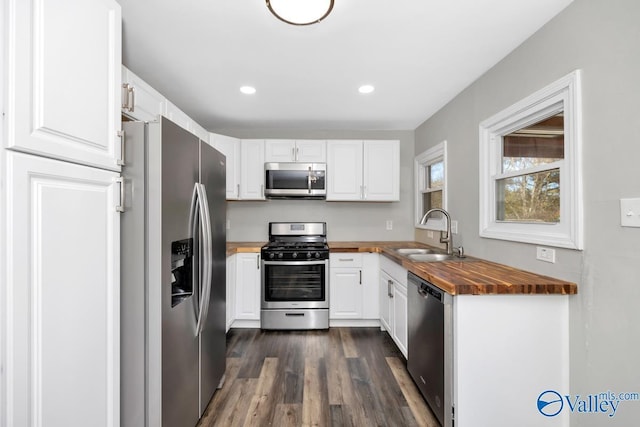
280, 255
271, 255
294, 255
317, 254
308, 254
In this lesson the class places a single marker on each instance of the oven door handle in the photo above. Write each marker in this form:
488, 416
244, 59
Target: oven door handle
319, 262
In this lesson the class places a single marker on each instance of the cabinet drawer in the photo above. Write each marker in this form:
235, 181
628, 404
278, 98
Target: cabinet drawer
346, 259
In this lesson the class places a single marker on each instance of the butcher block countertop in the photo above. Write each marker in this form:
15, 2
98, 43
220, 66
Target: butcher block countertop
244, 247
473, 276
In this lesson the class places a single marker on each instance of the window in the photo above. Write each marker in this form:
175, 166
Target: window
530, 175
431, 178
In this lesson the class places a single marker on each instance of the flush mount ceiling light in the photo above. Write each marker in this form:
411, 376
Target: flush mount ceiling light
300, 12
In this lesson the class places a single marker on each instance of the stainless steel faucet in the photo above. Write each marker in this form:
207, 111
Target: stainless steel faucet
446, 238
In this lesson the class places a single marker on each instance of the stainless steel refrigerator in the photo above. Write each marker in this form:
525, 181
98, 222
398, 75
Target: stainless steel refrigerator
173, 275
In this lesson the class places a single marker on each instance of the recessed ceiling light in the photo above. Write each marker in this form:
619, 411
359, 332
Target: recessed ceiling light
248, 90
366, 89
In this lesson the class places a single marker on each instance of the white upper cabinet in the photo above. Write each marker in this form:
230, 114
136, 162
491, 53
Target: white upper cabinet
252, 169
381, 174
344, 170
301, 151
230, 147
363, 170
63, 83
139, 100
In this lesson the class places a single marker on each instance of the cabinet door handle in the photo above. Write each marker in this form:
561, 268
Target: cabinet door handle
120, 181
125, 96
360, 276
389, 287
238, 193
258, 262
121, 134
345, 259
131, 99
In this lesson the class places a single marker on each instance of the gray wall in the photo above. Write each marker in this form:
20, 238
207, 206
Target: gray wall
603, 39
345, 220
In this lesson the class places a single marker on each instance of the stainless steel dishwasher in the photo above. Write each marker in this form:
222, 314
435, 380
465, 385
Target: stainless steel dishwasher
430, 352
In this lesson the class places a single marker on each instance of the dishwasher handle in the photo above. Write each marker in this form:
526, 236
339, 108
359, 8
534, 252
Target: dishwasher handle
427, 291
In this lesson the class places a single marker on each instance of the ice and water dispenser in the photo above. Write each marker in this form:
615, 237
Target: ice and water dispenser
181, 270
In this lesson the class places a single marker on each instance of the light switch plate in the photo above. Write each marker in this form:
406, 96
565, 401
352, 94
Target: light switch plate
389, 224
546, 254
454, 226
630, 212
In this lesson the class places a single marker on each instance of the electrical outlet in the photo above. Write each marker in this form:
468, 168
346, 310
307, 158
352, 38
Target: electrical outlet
430, 234
389, 224
454, 227
228, 224
546, 254
630, 212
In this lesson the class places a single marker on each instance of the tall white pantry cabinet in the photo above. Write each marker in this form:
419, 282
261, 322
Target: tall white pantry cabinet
60, 234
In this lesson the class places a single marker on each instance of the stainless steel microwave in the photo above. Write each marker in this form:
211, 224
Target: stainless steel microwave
295, 180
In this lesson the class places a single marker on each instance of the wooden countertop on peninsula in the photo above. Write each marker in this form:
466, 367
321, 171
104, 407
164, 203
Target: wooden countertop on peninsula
472, 276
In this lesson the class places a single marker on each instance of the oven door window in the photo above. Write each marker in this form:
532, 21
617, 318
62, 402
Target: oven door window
300, 282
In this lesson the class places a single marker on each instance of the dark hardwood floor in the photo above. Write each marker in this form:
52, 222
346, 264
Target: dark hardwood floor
339, 377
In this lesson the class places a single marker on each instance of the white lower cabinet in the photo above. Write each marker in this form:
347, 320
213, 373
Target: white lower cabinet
353, 279
231, 295
345, 281
393, 302
61, 296
247, 295
386, 300
399, 323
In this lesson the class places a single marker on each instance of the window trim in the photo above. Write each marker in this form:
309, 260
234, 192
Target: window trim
420, 166
561, 95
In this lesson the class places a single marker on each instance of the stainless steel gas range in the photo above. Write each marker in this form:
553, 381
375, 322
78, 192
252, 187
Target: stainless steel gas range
295, 276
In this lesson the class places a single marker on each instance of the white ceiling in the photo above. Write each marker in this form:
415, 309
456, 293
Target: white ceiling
418, 54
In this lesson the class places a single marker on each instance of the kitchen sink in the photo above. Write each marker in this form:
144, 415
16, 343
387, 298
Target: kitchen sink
414, 251
433, 257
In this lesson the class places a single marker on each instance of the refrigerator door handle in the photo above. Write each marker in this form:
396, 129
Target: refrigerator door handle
201, 277
194, 218
207, 260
